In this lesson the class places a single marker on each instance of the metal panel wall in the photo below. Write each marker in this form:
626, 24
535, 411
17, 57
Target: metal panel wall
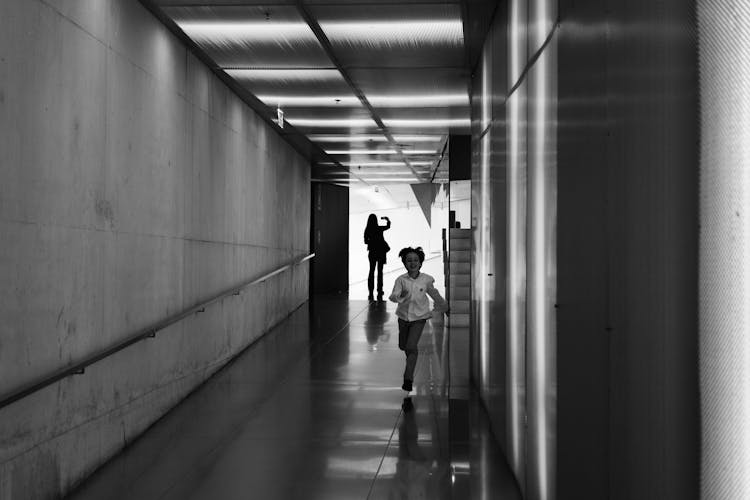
515, 325
583, 270
600, 332
627, 258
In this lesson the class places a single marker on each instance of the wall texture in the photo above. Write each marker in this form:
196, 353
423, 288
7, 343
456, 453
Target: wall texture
600, 162
724, 312
135, 184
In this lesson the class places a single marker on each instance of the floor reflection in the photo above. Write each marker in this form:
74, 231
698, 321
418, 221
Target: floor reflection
377, 317
314, 410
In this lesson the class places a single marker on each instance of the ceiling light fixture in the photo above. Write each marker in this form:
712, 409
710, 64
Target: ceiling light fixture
285, 74
311, 101
380, 152
419, 101
388, 179
384, 163
247, 31
374, 138
415, 32
428, 123
381, 101
332, 122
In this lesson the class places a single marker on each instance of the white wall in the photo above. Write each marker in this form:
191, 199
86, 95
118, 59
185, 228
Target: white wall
409, 227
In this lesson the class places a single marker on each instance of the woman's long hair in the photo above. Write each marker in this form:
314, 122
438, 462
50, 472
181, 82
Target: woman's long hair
372, 223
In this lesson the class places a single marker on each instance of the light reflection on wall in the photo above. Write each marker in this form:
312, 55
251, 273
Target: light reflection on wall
530, 198
516, 324
484, 313
516, 309
541, 342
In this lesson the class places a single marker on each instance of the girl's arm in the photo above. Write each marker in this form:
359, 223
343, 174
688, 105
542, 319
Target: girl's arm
440, 304
399, 293
387, 224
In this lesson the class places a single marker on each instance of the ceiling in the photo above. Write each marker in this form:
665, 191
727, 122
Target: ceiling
375, 86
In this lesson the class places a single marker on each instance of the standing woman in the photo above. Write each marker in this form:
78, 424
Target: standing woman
376, 250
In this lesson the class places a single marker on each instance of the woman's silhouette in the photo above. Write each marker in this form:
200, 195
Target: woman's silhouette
377, 248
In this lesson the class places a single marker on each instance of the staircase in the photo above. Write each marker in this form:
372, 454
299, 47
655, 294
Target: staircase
458, 276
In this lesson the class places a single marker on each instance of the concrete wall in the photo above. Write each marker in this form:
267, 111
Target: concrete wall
609, 403
134, 185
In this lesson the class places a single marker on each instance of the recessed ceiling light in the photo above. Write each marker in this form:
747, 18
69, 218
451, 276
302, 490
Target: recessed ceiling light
374, 164
414, 32
388, 179
418, 101
247, 31
383, 163
332, 122
373, 138
310, 101
381, 101
427, 123
418, 138
285, 74
379, 152
347, 138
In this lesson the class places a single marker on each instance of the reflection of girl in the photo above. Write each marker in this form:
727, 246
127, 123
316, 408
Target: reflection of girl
377, 248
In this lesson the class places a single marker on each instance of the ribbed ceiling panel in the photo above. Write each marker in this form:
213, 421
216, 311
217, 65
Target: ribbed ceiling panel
252, 37
394, 35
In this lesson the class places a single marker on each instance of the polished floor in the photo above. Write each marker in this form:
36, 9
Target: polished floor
314, 410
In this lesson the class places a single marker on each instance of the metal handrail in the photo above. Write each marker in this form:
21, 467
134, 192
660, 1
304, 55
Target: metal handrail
143, 334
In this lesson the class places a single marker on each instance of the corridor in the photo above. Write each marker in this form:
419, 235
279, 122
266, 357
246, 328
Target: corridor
186, 186
314, 410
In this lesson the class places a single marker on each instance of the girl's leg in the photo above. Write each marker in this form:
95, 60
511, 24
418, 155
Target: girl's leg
403, 333
415, 331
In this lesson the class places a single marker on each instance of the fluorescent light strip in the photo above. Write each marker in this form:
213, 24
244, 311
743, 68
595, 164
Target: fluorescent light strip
374, 138
332, 122
347, 138
247, 31
418, 138
382, 101
388, 179
428, 123
419, 101
310, 101
408, 174
384, 163
286, 74
380, 152
381, 32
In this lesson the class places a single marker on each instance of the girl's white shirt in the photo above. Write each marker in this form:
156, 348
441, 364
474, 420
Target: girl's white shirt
415, 305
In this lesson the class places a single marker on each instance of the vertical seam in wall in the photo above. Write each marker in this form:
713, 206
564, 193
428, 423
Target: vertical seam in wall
608, 243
